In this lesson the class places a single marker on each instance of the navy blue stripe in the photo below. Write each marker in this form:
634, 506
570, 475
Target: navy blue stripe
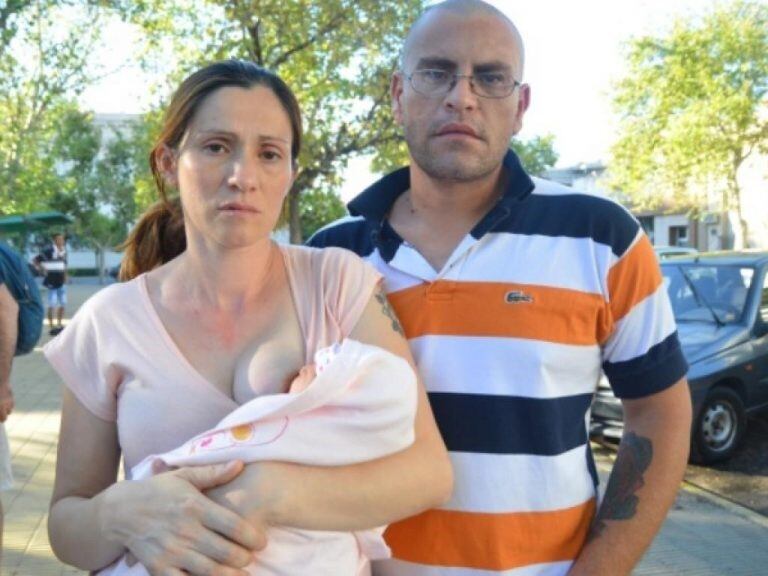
574, 216
511, 424
654, 371
354, 235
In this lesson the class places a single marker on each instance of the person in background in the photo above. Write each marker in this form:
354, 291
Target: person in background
515, 293
52, 263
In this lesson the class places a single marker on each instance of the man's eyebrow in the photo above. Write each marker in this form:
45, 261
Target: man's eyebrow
435, 62
493, 66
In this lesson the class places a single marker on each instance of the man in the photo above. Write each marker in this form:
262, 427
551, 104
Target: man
52, 262
20, 320
514, 293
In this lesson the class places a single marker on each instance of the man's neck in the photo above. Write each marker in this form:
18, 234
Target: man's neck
457, 200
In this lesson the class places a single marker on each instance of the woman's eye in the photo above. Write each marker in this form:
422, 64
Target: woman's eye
271, 155
215, 147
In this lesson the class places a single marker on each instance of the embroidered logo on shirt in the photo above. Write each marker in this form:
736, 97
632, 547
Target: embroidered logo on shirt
518, 296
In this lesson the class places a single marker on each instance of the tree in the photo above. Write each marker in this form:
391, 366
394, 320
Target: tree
337, 55
45, 49
693, 108
537, 155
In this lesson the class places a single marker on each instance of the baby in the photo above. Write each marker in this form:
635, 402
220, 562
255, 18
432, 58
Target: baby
353, 404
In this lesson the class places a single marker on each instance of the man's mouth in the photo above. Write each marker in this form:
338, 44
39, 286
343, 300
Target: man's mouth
457, 129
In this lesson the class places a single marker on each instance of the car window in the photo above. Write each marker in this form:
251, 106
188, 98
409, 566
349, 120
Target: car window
708, 293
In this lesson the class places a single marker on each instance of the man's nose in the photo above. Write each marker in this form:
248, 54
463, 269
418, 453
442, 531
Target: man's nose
461, 94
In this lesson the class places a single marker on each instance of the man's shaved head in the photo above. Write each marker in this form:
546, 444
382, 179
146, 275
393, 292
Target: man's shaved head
462, 8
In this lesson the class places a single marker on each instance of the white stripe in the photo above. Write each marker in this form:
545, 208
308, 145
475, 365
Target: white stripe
53, 266
554, 261
506, 366
506, 483
394, 279
648, 323
400, 568
549, 188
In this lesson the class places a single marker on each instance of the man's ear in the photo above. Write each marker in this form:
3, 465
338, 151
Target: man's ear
396, 94
523, 102
167, 162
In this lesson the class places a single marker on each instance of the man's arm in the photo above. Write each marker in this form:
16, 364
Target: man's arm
643, 483
9, 313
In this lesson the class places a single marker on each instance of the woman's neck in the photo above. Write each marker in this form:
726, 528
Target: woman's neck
228, 280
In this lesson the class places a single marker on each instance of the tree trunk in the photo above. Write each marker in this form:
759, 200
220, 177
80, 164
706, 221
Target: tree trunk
294, 217
734, 191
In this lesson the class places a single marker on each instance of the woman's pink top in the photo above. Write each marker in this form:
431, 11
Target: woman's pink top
122, 365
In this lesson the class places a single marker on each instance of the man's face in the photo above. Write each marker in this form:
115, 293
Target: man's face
459, 136
59, 240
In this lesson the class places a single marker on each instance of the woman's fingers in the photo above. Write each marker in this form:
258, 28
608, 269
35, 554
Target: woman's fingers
197, 564
233, 527
206, 477
222, 550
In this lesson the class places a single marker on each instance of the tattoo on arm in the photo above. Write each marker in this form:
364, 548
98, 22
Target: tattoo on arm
620, 502
381, 298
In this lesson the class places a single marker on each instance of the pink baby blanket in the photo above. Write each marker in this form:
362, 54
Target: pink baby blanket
360, 406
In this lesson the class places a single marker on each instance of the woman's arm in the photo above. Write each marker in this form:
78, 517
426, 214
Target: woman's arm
358, 496
165, 521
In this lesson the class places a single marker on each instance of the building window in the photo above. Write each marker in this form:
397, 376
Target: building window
647, 223
678, 235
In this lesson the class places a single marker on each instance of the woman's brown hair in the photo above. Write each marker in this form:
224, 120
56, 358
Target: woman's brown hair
159, 234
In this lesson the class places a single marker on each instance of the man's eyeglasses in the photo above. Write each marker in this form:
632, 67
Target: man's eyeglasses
437, 83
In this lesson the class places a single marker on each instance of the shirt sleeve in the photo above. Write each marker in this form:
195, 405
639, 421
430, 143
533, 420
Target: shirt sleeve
642, 354
79, 356
348, 286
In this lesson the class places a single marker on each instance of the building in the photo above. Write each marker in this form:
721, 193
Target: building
713, 229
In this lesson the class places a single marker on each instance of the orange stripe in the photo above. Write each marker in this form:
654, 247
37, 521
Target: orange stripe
635, 277
491, 541
482, 309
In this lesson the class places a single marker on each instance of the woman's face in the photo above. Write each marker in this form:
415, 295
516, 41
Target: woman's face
233, 167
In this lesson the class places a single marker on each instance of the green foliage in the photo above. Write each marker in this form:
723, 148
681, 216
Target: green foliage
338, 56
537, 155
44, 64
693, 107
318, 208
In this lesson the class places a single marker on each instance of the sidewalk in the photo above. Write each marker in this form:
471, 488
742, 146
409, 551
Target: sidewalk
702, 536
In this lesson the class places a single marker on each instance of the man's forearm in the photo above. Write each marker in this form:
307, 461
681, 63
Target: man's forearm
643, 483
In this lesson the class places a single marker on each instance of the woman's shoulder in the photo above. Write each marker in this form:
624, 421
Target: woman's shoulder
322, 258
114, 298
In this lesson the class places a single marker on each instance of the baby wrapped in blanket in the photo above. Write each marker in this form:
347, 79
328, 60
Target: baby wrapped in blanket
357, 403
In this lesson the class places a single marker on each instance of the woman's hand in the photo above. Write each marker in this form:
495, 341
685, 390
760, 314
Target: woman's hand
173, 528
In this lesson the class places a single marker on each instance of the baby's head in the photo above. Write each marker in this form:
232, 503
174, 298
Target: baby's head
302, 380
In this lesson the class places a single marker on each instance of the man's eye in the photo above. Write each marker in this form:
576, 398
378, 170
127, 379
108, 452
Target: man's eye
271, 155
215, 147
434, 76
492, 79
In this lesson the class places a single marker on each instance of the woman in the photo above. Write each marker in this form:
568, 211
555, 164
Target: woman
152, 362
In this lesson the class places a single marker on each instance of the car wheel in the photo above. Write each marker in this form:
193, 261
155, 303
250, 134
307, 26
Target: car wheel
719, 427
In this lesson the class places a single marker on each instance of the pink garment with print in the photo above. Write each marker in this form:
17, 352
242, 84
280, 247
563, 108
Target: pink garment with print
360, 406
119, 361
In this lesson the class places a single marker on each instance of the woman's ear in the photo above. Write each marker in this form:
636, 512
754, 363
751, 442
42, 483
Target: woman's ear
166, 160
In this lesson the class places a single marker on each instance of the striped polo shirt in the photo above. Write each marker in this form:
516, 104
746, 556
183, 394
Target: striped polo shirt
548, 289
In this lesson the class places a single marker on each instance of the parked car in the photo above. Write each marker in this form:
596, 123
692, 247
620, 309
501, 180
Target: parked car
720, 303
664, 252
